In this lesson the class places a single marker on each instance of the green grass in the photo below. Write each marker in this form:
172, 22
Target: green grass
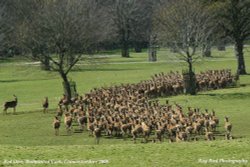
165, 154
29, 134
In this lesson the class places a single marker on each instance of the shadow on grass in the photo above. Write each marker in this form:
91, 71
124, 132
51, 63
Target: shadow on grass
227, 95
64, 135
245, 74
37, 111
102, 69
10, 81
239, 137
244, 85
24, 80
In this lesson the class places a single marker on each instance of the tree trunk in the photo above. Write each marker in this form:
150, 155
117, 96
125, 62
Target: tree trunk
190, 66
192, 82
240, 57
173, 49
221, 46
206, 50
125, 49
66, 85
152, 54
70, 59
138, 47
125, 43
45, 65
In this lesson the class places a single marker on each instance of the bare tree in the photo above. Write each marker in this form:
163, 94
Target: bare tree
131, 22
186, 24
15, 12
62, 31
122, 16
142, 25
235, 20
5, 26
2, 31
25, 13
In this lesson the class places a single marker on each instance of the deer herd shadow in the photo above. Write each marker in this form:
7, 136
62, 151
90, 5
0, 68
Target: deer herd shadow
24, 80
236, 95
10, 81
103, 69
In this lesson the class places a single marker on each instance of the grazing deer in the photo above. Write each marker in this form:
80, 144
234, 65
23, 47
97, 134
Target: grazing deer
10, 104
45, 105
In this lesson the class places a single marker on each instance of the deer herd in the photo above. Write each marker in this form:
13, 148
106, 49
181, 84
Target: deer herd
130, 110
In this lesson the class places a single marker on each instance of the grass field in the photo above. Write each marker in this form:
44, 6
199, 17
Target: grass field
29, 134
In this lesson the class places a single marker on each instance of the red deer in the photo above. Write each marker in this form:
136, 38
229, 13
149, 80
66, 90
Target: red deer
97, 133
82, 121
215, 118
228, 136
68, 122
128, 110
181, 136
228, 127
136, 130
160, 130
212, 125
10, 104
45, 105
64, 102
146, 131
209, 135
56, 125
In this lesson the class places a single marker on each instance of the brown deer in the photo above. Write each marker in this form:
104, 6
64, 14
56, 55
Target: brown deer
228, 125
45, 105
209, 136
97, 134
56, 125
10, 104
68, 122
64, 102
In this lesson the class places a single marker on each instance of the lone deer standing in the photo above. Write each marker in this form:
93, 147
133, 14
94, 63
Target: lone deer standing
45, 105
10, 104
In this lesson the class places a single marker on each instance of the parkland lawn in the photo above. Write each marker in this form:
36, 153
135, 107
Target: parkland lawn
29, 135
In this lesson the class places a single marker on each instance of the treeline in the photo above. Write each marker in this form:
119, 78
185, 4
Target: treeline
71, 28
112, 24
